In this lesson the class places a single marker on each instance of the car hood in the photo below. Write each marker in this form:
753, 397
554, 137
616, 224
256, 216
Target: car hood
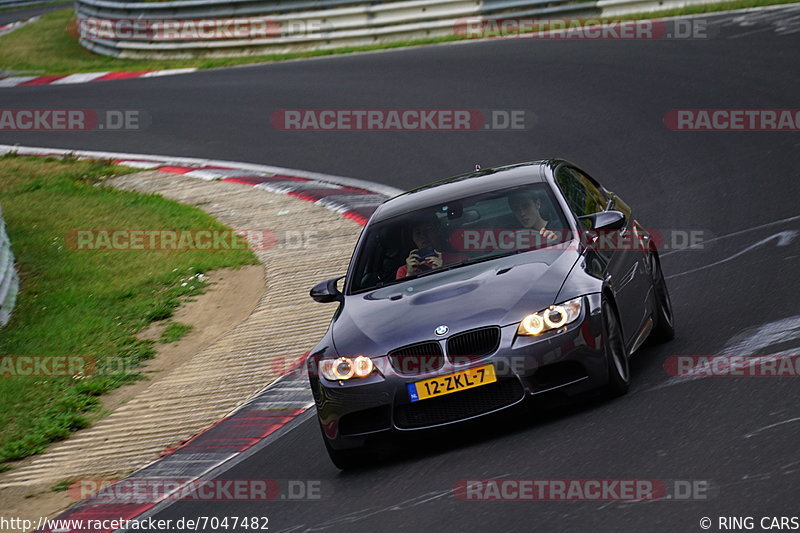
497, 292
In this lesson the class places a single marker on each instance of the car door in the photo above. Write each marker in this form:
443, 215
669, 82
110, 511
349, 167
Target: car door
625, 270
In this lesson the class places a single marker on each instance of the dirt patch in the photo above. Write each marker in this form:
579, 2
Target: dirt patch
230, 298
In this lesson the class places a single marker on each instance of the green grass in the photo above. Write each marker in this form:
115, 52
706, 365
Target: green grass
61, 486
85, 303
46, 46
174, 332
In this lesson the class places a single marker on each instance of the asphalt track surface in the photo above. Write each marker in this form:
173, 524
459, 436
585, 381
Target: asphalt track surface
601, 105
28, 12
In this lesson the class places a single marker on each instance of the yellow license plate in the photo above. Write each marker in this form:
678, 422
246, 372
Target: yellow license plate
466, 379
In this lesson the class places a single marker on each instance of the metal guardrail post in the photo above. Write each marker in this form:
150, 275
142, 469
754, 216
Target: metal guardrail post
9, 280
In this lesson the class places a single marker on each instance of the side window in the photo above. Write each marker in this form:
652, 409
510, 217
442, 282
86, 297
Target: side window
582, 195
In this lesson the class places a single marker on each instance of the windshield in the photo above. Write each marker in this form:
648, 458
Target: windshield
464, 231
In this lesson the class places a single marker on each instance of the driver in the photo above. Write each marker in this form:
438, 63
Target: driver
526, 207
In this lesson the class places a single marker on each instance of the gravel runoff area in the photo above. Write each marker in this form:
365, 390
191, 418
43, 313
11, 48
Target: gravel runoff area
284, 325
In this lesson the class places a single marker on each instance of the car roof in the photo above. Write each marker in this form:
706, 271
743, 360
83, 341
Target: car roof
476, 182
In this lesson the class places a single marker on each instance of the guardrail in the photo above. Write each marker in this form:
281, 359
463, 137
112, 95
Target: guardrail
192, 28
9, 280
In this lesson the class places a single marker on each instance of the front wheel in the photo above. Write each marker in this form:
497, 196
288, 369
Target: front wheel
619, 373
663, 329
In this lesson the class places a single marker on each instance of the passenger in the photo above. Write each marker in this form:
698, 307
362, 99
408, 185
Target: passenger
427, 236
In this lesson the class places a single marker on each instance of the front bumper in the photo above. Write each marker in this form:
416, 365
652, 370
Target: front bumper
571, 359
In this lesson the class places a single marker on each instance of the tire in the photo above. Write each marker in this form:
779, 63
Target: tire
663, 327
344, 459
619, 373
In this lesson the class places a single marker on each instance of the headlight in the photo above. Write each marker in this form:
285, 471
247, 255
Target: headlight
553, 317
344, 368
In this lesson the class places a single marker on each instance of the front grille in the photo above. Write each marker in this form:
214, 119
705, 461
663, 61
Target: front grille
459, 405
473, 344
417, 358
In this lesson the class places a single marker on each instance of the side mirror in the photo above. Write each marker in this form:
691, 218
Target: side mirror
327, 291
608, 220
